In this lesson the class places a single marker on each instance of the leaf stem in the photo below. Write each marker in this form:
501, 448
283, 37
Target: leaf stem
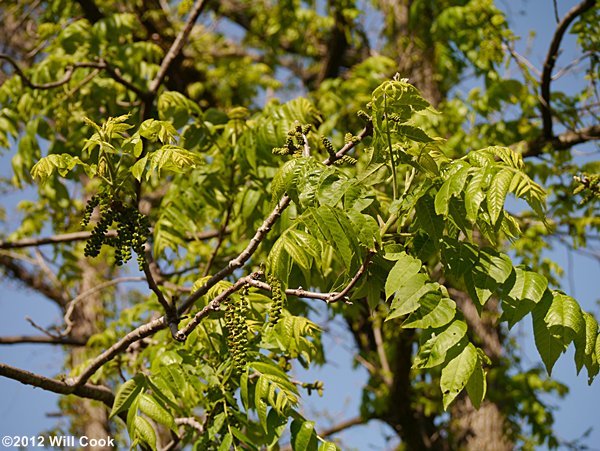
389, 138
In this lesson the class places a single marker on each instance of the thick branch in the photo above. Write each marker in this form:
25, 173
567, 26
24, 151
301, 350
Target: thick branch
550, 61
175, 49
97, 392
564, 141
33, 280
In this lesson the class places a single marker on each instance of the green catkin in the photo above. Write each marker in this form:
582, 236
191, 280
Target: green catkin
237, 329
132, 229
278, 300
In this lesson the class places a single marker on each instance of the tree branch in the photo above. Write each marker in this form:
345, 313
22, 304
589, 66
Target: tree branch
176, 47
80, 236
41, 339
550, 61
141, 332
563, 141
347, 424
327, 297
31, 280
97, 392
214, 305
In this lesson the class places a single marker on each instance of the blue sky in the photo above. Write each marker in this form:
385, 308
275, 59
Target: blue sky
24, 410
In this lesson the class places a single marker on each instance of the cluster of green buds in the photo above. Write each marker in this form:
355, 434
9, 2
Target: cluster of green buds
339, 161
132, 229
588, 186
295, 141
237, 329
278, 299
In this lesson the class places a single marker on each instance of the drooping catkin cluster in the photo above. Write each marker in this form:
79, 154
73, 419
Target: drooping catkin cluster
294, 142
278, 299
237, 329
132, 229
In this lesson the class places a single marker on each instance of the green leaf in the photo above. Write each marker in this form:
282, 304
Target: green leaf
456, 374
427, 218
405, 268
585, 342
172, 158
149, 406
62, 163
564, 318
528, 289
497, 193
474, 193
406, 299
433, 352
303, 434
477, 385
328, 446
453, 186
145, 431
127, 393
261, 392
139, 167
434, 311
413, 133
548, 345
226, 442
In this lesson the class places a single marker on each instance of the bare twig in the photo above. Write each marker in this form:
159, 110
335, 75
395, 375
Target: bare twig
222, 231
177, 46
327, 297
40, 328
97, 392
367, 131
550, 61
